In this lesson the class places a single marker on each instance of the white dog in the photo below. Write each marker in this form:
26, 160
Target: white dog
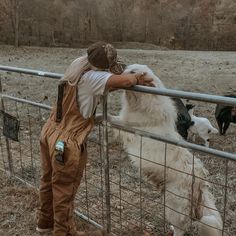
156, 114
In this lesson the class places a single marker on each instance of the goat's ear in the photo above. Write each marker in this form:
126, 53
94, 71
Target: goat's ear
189, 106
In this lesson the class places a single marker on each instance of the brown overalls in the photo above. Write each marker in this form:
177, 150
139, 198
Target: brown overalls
59, 182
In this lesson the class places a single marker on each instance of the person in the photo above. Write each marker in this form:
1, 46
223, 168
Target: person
63, 137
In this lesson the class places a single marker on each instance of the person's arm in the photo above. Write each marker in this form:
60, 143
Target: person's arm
127, 80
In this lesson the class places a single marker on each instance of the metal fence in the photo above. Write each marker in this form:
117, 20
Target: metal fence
114, 194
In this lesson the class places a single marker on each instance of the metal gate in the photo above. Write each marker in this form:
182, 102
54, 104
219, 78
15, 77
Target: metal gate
114, 195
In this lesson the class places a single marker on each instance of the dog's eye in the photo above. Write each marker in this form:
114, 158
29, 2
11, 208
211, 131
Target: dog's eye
132, 72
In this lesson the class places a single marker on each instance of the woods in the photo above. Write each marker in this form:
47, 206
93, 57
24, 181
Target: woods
10, 10
200, 25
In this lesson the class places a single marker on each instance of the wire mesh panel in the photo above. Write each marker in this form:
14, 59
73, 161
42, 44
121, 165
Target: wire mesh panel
22, 158
150, 192
91, 195
24, 153
135, 182
136, 203
139, 195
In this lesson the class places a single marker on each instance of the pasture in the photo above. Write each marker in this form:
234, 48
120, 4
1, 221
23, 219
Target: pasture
205, 72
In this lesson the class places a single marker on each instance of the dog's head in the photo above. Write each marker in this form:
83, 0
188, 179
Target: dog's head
149, 75
137, 100
151, 108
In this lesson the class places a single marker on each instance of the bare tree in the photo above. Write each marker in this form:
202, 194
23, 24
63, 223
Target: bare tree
10, 9
15, 19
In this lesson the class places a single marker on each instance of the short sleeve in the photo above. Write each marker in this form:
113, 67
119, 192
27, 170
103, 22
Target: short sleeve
96, 81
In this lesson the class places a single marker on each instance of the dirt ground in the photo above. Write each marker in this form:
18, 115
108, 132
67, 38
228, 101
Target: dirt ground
195, 71
205, 72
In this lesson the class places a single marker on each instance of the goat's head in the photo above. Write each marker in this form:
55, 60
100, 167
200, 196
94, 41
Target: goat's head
190, 108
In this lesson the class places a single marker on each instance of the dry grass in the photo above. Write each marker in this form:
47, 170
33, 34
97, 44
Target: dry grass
18, 209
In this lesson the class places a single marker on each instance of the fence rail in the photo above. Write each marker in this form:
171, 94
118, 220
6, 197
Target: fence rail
124, 195
167, 92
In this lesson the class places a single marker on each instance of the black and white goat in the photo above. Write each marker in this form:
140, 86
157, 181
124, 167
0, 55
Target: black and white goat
183, 122
201, 127
225, 115
183, 197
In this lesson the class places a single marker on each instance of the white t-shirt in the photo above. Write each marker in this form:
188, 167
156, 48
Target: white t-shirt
90, 89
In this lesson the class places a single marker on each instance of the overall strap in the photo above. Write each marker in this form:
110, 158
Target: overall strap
60, 95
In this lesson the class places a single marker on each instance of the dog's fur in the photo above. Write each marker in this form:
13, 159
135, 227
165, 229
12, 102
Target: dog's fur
157, 114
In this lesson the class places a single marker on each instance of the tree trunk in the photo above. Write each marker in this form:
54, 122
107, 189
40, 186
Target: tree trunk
15, 20
16, 23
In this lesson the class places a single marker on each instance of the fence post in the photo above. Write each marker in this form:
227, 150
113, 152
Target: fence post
106, 165
9, 156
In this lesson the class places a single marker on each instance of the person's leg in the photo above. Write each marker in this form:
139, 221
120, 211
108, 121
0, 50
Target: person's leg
66, 180
81, 167
45, 211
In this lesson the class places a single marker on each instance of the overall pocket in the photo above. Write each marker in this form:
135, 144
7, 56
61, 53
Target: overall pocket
74, 163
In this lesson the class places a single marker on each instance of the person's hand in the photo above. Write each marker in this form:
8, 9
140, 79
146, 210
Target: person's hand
127, 80
143, 80
132, 78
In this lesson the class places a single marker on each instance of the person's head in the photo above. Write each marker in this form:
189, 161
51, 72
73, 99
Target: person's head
100, 56
103, 56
